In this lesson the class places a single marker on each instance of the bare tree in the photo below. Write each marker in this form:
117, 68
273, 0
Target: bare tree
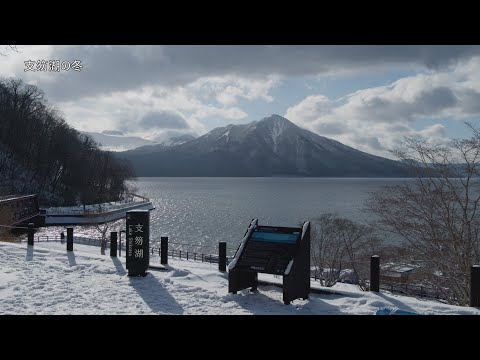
103, 230
40, 153
437, 214
341, 245
327, 252
9, 48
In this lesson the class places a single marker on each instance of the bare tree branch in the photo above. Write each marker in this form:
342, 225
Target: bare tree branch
437, 215
341, 248
10, 48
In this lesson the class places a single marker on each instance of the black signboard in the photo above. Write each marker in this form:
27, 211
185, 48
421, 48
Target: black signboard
273, 250
138, 239
269, 249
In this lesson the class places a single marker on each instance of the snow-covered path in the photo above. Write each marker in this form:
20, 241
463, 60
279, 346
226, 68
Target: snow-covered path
48, 280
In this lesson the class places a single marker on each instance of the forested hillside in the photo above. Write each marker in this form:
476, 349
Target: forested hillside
40, 153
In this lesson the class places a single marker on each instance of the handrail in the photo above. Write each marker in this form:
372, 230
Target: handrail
101, 211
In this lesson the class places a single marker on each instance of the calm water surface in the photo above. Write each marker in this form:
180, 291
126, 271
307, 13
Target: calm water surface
204, 211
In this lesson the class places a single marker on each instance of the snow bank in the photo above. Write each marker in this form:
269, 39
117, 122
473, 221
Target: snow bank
48, 280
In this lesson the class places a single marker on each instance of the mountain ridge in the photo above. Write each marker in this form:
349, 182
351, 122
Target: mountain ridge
112, 140
273, 146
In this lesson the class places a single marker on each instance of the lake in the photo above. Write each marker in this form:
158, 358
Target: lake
203, 211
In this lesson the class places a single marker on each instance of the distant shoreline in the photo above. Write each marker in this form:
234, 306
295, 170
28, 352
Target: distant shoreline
277, 177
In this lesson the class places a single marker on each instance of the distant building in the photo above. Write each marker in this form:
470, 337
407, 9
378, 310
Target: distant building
398, 273
16, 209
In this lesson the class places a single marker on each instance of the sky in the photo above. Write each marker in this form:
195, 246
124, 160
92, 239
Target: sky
368, 97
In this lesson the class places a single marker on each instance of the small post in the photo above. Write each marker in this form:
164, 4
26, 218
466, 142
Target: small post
194, 256
202, 257
475, 286
164, 250
120, 242
375, 273
222, 256
180, 251
187, 255
113, 244
70, 239
30, 233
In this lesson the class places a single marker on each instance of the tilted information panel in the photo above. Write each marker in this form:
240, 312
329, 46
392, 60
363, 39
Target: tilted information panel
269, 250
273, 250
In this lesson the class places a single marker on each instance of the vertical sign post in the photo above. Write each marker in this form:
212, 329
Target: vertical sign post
30, 233
120, 242
113, 243
138, 240
375, 273
222, 256
70, 239
475, 286
164, 250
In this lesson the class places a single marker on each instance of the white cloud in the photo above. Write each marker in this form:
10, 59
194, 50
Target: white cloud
12, 64
127, 110
121, 67
226, 90
309, 109
206, 111
120, 85
376, 119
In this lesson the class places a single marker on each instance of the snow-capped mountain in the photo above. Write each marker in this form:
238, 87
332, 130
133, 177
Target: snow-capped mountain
116, 140
273, 146
175, 140
112, 140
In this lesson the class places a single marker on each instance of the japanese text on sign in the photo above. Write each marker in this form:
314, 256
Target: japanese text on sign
52, 65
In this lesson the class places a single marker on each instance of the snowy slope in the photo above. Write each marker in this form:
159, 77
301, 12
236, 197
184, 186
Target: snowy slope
48, 280
117, 141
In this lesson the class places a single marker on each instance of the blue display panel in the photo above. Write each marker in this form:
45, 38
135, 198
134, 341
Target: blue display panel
274, 237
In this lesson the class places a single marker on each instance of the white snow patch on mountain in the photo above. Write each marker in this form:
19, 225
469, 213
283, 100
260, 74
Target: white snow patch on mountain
117, 141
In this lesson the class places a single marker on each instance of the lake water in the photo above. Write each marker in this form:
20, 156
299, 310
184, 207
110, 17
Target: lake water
204, 211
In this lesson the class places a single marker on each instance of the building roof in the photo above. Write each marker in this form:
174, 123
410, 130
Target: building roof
398, 268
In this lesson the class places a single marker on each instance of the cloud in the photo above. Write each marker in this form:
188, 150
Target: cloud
117, 68
388, 106
163, 120
376, 119
469, 101
151, 108
139, 88
310, 108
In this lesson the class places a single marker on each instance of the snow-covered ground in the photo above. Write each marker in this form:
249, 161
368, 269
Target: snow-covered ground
48, 280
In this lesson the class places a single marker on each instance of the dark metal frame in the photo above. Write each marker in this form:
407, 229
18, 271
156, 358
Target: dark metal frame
296, 280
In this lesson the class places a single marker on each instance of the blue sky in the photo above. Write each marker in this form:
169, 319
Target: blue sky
367, 97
